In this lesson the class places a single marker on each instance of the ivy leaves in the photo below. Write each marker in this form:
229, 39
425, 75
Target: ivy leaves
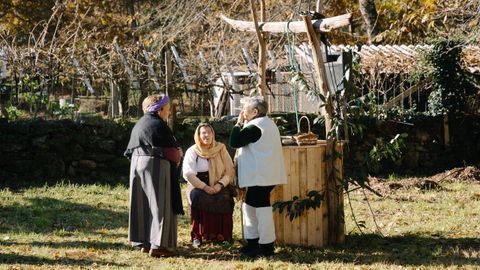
296, 207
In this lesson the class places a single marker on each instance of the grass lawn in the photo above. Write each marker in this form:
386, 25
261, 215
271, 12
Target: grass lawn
85, 226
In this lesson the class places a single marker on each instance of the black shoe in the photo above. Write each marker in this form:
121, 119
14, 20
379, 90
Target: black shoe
267, 250
251, 245
263, 250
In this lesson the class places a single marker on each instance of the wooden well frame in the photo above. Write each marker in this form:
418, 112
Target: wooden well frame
306, 171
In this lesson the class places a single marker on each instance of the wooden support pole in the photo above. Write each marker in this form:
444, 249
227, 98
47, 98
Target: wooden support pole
336, 225
168, 71
3, 58
446, 131
262, 50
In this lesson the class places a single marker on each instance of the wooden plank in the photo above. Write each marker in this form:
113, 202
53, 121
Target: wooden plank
287, 225
323, 25
312, 164
277, 196
319, 184
323, 174
295, 188
303, 168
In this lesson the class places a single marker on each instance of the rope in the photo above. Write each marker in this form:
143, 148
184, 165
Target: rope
293, 68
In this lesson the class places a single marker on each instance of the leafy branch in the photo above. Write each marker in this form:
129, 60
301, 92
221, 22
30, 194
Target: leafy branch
296, 207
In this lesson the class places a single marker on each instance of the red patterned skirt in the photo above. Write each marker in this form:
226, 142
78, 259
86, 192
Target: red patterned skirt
211, 226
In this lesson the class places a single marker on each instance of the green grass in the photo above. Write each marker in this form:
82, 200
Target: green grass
85, 226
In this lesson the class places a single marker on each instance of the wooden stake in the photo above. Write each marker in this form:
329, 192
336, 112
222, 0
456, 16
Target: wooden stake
168, 71
446, 131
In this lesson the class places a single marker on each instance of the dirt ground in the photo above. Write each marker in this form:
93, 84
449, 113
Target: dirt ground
386, 186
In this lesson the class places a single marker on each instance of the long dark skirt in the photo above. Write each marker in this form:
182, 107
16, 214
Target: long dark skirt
211, 225
151, 220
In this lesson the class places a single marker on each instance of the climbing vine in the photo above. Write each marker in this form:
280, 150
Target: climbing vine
450, 82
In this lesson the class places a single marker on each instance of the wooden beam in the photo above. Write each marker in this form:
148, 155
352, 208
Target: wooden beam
321, 25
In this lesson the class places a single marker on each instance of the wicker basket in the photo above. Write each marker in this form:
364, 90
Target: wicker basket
308, 138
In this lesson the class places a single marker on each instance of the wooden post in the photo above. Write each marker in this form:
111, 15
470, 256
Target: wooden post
3, 104
168, 71
446, 131
262, 50
336, 224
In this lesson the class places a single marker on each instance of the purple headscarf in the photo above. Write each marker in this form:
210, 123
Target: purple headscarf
159, 104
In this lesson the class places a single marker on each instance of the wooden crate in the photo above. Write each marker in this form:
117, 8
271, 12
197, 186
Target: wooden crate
306, 171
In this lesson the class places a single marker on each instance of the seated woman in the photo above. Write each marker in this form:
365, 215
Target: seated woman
208, 168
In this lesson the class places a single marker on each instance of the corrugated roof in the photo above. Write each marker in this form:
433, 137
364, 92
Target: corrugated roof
402, 58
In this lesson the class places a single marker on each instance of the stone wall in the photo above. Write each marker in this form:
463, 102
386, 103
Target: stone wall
48, 150
425, 148
93, 150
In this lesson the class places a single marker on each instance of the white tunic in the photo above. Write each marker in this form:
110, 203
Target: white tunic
261, 163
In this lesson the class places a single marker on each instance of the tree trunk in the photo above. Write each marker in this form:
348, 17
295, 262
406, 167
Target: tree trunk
130, 4
370, 15
334, 192
262, 49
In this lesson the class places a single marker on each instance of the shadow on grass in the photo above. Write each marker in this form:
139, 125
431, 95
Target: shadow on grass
410, 250
401, 250
34, 260
62, 217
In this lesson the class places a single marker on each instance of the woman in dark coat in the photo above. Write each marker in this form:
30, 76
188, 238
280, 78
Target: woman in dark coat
155, 198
